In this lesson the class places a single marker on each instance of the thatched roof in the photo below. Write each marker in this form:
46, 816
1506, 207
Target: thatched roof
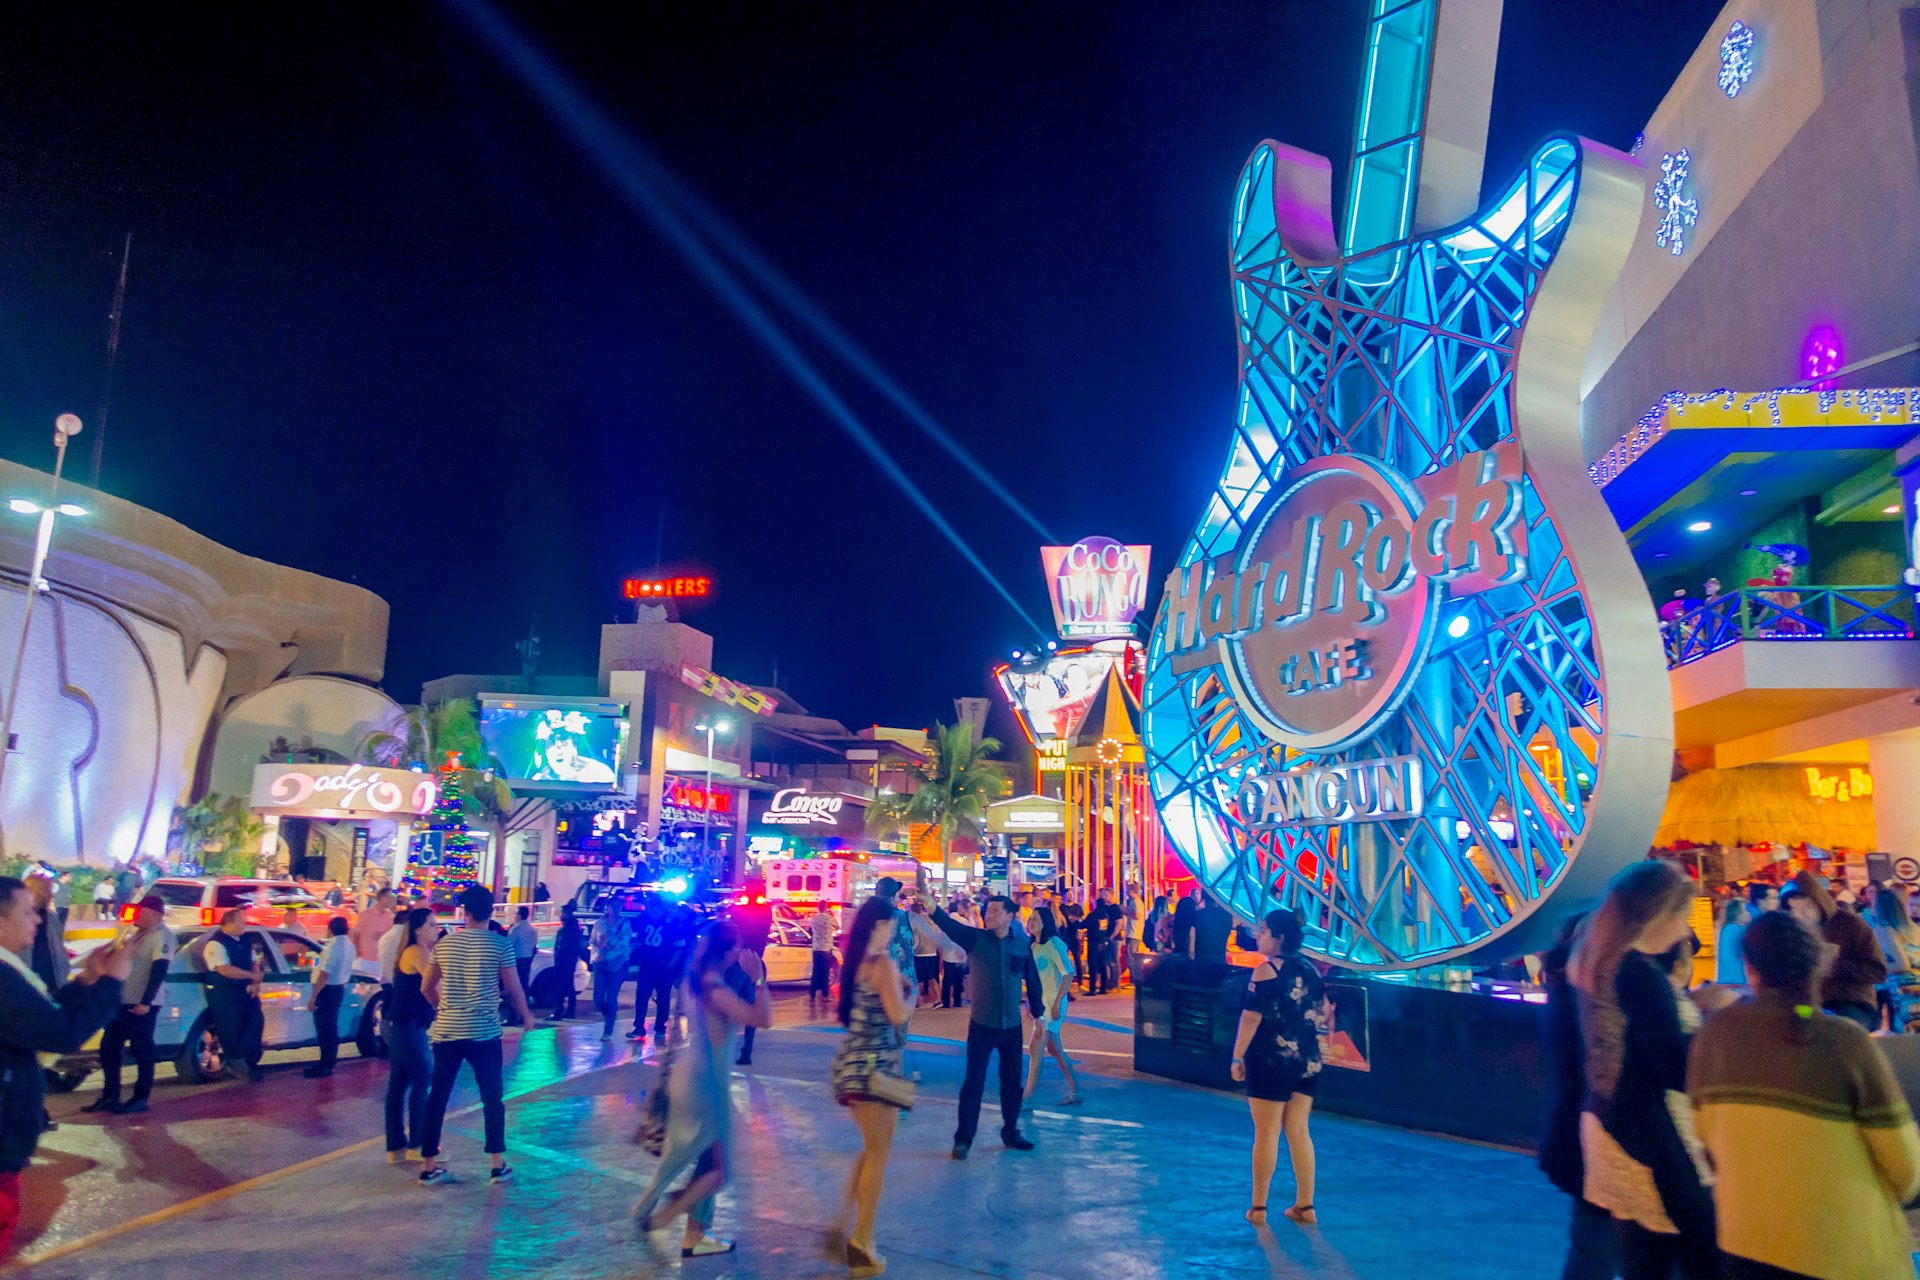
1762, 804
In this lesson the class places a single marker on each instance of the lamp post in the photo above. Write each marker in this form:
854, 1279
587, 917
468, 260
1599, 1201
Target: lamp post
706, 803
65, 427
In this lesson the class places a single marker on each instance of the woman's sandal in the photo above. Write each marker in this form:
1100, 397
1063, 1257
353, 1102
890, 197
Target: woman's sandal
863, 1262
834, 1247
706, 1246
1257, 1215
1302, 1214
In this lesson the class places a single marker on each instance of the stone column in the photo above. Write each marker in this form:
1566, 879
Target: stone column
1895, 762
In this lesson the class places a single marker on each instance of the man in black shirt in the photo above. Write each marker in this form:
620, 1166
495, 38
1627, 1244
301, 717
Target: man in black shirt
1212, 926
1103, 931
233, 993
655, 941
999, 966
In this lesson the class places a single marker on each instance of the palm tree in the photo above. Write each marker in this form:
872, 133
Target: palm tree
426, 737
957, 782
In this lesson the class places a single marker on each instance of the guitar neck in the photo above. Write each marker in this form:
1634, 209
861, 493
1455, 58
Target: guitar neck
1421, 131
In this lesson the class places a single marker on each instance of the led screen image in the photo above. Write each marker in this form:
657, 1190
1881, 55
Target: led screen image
555, 743
1053, 700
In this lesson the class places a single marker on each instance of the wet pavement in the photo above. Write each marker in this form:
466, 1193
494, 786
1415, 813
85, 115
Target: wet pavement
1148, 1179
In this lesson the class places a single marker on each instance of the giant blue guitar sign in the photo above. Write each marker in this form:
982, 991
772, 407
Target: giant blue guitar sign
1406, 678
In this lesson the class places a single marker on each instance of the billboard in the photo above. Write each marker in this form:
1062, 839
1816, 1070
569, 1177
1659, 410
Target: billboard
555, 744
1052, 699
1098, 587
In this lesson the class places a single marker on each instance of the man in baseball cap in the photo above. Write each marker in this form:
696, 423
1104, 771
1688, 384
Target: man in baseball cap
152, 947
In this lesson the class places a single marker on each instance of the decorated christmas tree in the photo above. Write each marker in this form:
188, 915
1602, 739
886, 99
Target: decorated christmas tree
441, 861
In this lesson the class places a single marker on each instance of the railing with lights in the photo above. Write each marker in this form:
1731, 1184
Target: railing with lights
1789, 613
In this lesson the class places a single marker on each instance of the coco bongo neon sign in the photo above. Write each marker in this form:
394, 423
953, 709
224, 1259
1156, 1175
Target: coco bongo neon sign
1321, 616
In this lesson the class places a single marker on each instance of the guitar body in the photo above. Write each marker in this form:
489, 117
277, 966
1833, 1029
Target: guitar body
1406, 679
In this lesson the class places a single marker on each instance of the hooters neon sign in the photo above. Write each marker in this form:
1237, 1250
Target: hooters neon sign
1098, 587
1322, 613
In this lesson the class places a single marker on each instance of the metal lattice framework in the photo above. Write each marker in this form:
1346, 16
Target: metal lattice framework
1406, 355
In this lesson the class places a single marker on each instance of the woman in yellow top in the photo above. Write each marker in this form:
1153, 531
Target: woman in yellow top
1813, 1146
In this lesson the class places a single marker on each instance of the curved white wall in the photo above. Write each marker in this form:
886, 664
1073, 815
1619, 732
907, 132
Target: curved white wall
109, 727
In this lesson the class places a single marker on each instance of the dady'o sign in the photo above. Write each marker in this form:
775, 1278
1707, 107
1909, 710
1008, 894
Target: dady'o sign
350, 790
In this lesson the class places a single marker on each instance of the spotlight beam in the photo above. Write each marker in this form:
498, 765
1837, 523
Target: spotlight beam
617, 159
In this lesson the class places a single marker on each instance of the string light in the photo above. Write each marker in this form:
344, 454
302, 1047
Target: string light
1678, 210
1736, 59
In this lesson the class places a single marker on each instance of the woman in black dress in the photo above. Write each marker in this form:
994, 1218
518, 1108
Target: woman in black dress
1641, 1160
1277, 1054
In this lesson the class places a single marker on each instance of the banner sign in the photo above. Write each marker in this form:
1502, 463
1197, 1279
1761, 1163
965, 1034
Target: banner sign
1098, 587
731, 692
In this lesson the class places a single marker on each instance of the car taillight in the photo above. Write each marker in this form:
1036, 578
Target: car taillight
209, 916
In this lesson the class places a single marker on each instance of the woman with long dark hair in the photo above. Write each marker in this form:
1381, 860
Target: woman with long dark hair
867, 1077
699, 1113
1899, 941
1641, 1161
1814, 1149
1055, 966
1277, 1053
409, 1058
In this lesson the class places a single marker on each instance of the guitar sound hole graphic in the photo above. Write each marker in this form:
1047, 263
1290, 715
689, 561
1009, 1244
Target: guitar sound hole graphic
1378, 688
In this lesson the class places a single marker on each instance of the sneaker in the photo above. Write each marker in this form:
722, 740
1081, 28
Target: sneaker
435, 1176
1071, 1100
1017, 1142
132, 1107
499, 1174
636, 1035
706, 1247
744, 1060
255, 1075
959, 1151
317, 1073
108, 1105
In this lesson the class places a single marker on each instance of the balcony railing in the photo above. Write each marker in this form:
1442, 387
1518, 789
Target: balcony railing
1789, 613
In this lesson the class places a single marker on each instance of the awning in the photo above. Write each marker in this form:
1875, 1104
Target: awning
1762, 804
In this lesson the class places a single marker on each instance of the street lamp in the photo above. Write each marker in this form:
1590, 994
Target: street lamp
710, 727
65, 427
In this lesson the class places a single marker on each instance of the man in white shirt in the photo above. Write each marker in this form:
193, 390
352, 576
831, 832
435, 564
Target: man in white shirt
526, 944
822, 928
331, 975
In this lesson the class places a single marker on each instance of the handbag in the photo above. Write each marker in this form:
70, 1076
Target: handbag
651, 1136
896, 1091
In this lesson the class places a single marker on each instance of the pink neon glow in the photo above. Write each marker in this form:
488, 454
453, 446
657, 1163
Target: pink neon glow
1820, 357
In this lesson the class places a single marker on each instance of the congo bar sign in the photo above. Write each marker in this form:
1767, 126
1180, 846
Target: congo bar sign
797, 807
1322, 613
354, 790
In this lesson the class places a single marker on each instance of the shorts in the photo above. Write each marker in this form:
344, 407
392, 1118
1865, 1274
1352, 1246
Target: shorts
1270, 1085
926, 968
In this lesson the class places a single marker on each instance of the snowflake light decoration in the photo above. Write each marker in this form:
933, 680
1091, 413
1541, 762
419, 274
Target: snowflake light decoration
1678, 210
1736, 59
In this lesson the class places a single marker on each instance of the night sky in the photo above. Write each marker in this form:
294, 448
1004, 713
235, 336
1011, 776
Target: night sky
385, 322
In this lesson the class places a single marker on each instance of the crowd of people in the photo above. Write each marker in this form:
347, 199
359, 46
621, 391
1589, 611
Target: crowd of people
1748, 1127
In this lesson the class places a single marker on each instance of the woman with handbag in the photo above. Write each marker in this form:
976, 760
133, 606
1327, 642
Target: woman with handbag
1055, 966
699, 1120
867, 1078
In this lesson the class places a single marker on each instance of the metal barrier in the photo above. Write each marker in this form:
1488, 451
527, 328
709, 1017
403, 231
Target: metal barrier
1789, 613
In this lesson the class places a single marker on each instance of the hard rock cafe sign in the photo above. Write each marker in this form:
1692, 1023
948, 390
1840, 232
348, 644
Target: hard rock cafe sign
1405, 679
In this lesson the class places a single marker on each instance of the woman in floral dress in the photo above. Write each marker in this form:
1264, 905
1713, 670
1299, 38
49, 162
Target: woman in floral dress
1277, 1054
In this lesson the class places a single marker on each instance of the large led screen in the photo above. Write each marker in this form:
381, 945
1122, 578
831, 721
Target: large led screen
555, 743
1053, 700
